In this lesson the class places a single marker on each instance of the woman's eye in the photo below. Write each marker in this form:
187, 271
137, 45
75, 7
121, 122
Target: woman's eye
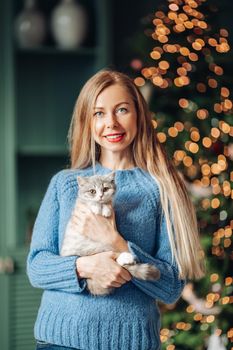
105, 189
98, 114
93, 191
122, 110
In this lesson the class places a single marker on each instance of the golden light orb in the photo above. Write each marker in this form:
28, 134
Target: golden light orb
184, 51
170, 347
173, 7
227, 243
172, 131
225, 300
214, 277
205, 169
163, 39
202, 113
188, 24
212, 42
194, 148
196, 46
215, 132
179, 28
210, 318
164, 331
215, 168
228, 104
202, 24
207, 142
228, 281
198, 317
224, 32
193, 57
162, 137
190, 309
183, 102
218, 70
179, 155
215, 203
217, 108
180, 325
155, 55
225, 92
187, 66
139, 81
157, 80
225, 127
205, 203
179, 126
160, 14
187, 161
195, 136
201, 87
164, 64
212, 83
172, 15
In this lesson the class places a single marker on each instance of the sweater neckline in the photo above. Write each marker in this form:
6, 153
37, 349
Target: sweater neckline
100, 166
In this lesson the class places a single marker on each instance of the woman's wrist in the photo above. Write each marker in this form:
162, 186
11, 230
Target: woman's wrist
80, 267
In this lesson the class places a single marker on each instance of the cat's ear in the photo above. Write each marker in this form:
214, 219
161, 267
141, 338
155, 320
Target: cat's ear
81, 180
111, 176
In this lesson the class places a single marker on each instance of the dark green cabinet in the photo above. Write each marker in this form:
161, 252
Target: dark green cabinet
38, 89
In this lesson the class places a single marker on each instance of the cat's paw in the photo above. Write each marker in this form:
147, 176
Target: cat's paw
125, 258
106, 211
96, 210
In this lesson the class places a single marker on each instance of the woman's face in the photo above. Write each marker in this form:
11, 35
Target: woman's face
114, 121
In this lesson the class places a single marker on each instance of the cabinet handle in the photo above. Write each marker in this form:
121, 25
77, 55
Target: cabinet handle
7, 265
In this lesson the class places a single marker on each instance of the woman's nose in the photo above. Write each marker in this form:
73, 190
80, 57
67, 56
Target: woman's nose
111, 120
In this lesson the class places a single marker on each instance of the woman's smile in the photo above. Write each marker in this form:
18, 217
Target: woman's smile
115, 137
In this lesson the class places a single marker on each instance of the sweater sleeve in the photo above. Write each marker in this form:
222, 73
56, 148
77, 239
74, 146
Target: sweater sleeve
45, 268
168, 287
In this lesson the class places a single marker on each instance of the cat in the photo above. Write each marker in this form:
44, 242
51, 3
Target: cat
97, 193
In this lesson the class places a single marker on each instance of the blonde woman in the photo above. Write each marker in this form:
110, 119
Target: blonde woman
154, 220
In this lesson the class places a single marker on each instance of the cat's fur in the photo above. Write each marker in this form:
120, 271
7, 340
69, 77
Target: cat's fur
97, 193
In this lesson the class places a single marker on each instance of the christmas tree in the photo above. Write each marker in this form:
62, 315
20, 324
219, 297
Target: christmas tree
181, 67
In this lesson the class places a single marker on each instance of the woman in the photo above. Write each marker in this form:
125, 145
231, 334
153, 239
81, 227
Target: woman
154, 219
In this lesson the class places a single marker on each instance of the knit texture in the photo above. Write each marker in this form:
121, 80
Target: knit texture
129, 318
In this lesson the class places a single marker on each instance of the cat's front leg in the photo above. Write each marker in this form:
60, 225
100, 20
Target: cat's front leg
106, 210
96, 209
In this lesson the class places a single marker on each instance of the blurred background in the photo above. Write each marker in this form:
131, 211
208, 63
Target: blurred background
48, 49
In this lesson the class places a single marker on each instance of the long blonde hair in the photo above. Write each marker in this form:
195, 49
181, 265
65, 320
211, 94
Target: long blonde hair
149, 154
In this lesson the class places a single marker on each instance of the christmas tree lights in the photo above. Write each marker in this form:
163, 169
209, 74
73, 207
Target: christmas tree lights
194, 121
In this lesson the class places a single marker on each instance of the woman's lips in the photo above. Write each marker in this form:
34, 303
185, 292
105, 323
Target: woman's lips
115, 138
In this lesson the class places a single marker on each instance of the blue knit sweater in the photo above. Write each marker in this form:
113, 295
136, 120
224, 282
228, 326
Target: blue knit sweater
129, 319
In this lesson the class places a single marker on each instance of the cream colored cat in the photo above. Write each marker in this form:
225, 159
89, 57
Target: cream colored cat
97, 193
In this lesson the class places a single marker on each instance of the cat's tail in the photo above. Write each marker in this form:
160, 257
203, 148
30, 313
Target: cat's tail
143, 271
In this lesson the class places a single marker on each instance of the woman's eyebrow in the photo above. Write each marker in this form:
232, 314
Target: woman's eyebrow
118, 104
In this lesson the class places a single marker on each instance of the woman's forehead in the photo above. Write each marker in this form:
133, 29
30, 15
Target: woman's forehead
114, 94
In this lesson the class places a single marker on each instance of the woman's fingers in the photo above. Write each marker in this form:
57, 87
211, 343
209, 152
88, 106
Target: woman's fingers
116, 285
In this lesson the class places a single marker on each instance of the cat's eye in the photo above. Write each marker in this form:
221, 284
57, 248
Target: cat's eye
93, 191
105, 189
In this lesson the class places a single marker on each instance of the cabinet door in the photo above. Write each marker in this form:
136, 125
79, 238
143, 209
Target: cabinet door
19, 303
23, 305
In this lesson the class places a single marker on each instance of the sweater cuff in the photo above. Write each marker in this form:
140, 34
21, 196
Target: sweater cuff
49, 271
168, 287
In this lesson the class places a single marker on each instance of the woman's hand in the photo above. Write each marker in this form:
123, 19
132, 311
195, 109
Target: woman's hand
103, 268
98, 228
